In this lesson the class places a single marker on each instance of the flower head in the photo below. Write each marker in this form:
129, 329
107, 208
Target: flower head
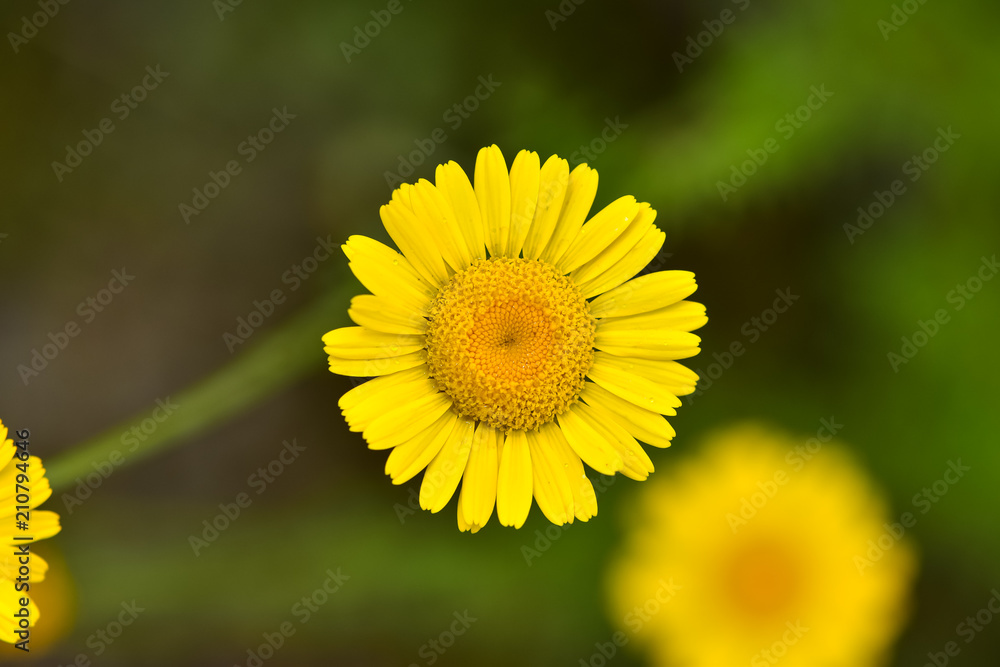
771, 553
511, 343
23, 487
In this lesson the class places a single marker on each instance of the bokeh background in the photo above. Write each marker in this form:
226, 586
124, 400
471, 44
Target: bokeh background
563, 72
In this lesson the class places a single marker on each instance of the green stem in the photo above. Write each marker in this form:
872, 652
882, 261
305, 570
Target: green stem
280, 358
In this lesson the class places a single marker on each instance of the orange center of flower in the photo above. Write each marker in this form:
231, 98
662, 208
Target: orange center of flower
763, 578
511, 341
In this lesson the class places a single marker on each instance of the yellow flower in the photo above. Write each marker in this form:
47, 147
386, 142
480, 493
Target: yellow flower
23, 487
767, 540
484, 332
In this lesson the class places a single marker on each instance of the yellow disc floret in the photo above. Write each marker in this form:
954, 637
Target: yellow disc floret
510, 341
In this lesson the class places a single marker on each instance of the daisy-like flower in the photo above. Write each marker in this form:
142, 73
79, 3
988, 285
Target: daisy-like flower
510, 340
16, 575
770, 553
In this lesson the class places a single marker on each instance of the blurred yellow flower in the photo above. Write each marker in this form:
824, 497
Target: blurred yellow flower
762, 534
23, 487
483, 333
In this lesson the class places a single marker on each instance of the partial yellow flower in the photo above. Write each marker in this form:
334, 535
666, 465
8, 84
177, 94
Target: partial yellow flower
57, 597
511, 343
764, 545
23, 487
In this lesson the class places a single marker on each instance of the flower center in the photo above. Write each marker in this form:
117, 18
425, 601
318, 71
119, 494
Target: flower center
764, 578
510, 341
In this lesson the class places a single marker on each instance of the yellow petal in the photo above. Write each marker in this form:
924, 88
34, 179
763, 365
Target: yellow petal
411, 457
590, 445
431, 207
464, 525
370, 400
645, 293
514, 481
373, 367
445, 471
388, 274
7, 448
550, 483
524, 178
634, 261
670, 375
681, 316
493, 193
415, 237
584, 498
580, 194
633, 388
386, 315
37, 487
10, 564
373, 388
10, 599
552, 185
455, 186
636, 463
362, 343
595, 236
645, 425
43, 524
405, 422
402, 195
648, 344
613, 253
479, 486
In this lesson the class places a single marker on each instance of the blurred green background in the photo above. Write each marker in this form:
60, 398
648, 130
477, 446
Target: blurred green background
563, 77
